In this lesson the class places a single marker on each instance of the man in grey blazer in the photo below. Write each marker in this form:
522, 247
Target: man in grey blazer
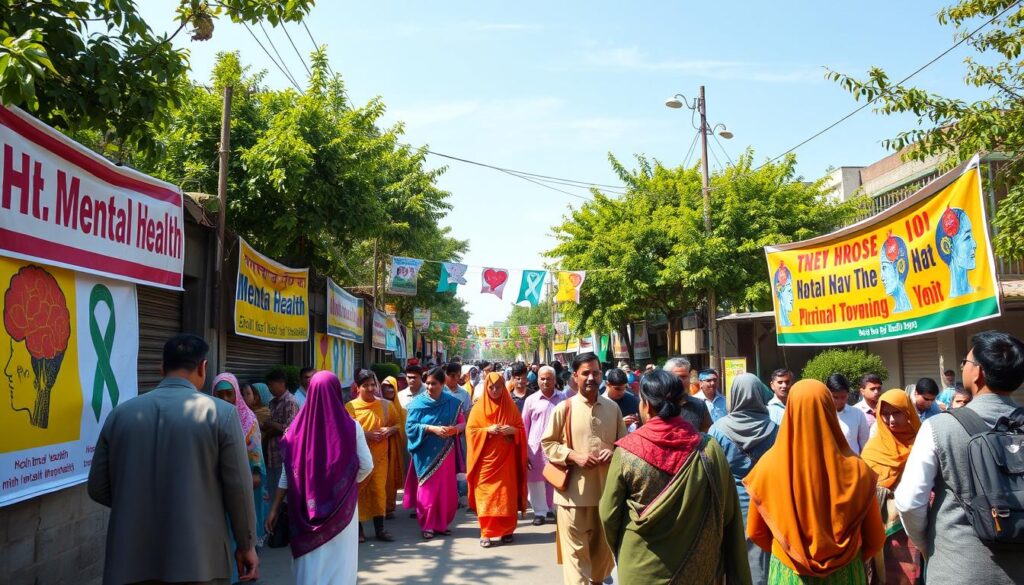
171, 465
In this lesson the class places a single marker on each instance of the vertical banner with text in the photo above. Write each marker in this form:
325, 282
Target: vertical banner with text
271, 300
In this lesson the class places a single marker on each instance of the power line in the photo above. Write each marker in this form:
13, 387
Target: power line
272, 46
301, 58
524, 173
271, 57
722, 147
690, 151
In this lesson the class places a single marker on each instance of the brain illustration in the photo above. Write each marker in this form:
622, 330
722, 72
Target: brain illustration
892, 248
36, 312
950, 222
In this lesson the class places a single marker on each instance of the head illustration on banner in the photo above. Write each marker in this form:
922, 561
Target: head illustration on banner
895, 265
36, 313
957, 248
784, 293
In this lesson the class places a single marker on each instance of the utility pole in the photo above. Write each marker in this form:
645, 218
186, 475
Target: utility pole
223, 154
712, 304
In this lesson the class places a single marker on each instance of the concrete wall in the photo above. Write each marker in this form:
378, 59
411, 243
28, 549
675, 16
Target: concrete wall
51, 539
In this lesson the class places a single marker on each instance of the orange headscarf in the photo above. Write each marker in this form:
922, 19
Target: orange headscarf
884, 453
501, 411
812, 500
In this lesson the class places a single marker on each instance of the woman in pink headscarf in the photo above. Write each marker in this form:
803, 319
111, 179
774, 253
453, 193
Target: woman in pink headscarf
225, 387
325, 457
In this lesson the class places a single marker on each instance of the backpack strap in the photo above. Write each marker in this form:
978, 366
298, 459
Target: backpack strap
970, 421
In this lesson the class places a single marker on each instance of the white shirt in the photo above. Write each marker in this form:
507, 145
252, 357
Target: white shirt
406, 396
915, 489
855, 427
362, 451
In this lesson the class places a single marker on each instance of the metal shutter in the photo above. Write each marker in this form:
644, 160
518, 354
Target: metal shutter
250, 359
919, 358
159, 320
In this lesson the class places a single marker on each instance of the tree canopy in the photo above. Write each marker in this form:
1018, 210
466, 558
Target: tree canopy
957, 129
649, 246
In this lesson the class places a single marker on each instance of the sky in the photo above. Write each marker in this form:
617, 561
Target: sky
554, 88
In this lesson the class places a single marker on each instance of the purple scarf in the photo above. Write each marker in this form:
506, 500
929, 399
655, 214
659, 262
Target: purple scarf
319, 451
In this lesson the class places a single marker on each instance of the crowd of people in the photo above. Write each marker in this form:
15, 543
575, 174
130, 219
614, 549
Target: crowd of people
658, 474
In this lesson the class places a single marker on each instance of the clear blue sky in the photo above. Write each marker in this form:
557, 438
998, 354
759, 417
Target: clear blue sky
552, 88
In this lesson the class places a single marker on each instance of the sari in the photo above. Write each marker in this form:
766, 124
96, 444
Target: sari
899, 562
812, 500
372, 416
430, 486
254, 452
319, 452
670, 510
396, 450
496, 463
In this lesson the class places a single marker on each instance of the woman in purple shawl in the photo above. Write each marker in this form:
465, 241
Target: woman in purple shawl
325, 457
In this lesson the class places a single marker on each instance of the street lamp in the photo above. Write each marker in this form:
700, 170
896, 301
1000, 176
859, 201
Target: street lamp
700, 106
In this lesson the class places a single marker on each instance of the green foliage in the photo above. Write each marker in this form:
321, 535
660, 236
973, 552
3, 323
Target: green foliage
852, 363
650, 244
956, 129
385, 369
95, 68
290, 372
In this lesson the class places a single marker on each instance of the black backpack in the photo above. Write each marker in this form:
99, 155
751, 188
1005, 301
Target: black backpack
995, 457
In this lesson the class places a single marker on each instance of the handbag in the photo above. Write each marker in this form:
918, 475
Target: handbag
555, 474
279, 537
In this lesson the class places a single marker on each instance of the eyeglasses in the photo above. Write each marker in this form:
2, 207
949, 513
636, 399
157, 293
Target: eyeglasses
964, 361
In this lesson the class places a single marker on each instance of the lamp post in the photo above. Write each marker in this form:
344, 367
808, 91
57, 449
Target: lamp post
700, 106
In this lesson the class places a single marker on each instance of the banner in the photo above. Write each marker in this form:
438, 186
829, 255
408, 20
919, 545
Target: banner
72, 345
569, 284
404, 274
379, 339
641, 344
619, 348
493, 281
530, 287
270, 298
344, 313
420, 319
391, 333
64, 205
734, 366
336, 355
452, 275
923, 265
603, 344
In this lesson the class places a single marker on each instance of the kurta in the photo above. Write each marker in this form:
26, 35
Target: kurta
373, 489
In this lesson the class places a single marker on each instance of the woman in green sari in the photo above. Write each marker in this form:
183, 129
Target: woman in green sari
670, 508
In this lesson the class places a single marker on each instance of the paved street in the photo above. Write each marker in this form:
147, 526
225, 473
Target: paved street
456, 559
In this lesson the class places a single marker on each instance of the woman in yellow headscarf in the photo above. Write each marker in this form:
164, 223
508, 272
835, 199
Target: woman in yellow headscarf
496, 472
812, 501
396, 446
886, 454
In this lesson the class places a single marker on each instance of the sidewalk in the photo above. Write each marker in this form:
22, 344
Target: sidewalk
456, 559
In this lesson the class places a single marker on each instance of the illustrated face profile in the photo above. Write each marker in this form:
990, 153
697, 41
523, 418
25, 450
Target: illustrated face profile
957, 246
895, 267
36, 314
784, 293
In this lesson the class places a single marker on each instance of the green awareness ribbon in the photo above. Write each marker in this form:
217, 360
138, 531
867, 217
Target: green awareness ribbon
103, 343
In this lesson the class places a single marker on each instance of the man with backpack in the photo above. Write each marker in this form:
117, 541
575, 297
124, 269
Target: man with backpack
973, 531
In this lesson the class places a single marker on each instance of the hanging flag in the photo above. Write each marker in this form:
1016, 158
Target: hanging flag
569, 283
494, 280
542, 329
453, 328
562, 328
524, 330
404, 274
421, 318
495, 332
603, 343
529, 289
487, 343
518, 344
452, 275
481, 332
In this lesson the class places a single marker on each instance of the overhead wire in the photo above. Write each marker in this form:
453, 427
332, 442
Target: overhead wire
725, 152
271, 57
276, 52
301, 58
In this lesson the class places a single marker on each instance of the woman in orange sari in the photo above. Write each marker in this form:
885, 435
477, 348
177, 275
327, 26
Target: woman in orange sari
379, 419
886, 454
396, 447
812, 501
497, 462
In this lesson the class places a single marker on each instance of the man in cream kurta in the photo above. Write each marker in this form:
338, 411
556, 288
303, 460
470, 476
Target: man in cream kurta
595, 425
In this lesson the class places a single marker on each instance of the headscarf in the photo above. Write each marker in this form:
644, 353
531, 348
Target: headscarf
884, 453
747, 423
810, 489
245, 414
501, 411
664, 443
264, 391
319, 451
390, 381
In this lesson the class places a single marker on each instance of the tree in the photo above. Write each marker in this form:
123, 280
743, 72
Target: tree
956, 129
95, 68
647, 251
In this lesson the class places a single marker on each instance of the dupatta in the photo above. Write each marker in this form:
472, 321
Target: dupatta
427, 449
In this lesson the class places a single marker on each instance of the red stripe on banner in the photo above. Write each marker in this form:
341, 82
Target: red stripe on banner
32, 246
101, 169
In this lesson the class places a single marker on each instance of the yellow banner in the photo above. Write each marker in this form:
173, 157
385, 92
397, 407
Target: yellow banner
734, 366
335, 355
922, 265
271, 299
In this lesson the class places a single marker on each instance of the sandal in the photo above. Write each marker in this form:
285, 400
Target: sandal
427, 534
538, 521
507, 539
485, 543
362, 539
385, 536
445, 532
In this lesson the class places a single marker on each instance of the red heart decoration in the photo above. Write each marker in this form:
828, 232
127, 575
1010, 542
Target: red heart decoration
495, 278
323, 346
575, 279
